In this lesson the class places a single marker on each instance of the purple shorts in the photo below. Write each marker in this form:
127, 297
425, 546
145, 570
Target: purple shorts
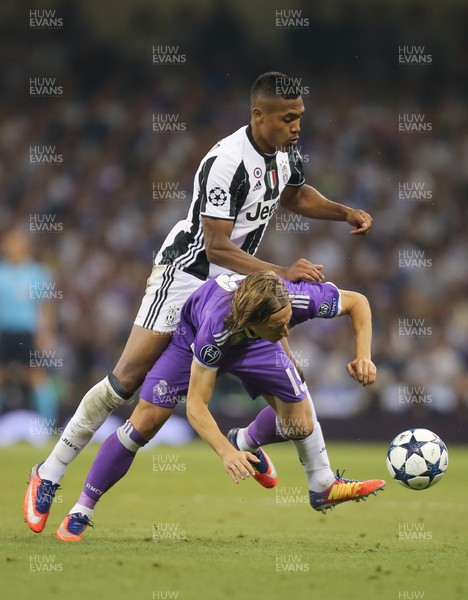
262, 368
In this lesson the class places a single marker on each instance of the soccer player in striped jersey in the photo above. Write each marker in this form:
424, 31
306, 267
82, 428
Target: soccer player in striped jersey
235, 324
238, 187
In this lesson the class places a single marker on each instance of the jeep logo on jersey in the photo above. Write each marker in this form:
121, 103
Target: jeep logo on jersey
210, 354
262, 212
217, 196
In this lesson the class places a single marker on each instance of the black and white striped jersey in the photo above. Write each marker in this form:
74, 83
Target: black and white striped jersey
235, 181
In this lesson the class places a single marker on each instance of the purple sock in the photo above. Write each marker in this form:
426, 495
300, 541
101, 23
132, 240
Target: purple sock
111, 463
263, 430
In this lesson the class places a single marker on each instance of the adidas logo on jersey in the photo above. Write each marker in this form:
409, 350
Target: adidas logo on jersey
257, 186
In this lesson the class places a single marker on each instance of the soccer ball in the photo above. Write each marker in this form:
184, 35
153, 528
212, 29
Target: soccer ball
417, 458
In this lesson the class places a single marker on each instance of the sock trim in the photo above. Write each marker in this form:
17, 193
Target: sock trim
245, 442
130, 438
118, 387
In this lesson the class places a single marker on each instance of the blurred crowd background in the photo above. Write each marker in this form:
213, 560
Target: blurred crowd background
103, 215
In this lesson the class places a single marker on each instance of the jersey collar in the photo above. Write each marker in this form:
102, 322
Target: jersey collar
266, 156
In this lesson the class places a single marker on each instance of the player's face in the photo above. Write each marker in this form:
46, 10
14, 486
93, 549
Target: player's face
15, 246
277, 124
276, 327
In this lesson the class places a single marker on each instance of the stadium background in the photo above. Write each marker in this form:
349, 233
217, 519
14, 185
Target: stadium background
111, 220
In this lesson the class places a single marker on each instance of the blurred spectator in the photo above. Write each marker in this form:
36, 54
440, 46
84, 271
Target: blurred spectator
113, 186
27, 348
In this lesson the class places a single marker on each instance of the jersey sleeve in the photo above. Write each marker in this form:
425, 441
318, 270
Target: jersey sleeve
224, 185
206, 351
313, 300
297, 177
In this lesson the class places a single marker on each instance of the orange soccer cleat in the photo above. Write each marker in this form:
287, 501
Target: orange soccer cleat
38, 500
344, 490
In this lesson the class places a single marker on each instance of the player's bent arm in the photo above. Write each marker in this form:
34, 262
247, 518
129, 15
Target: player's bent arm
357, 307
221, 251
307, 201
201, 386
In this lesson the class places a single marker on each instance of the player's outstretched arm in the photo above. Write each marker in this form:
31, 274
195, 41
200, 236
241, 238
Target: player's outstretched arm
307, 201
202, 382
357, 307
221, 251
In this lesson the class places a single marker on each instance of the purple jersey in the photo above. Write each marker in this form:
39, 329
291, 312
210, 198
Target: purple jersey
204, 313
262, 366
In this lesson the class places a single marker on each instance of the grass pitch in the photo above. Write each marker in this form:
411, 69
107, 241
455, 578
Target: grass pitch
177, 527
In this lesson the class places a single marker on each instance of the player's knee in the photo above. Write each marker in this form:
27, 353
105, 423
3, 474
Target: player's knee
147, 418
130, 375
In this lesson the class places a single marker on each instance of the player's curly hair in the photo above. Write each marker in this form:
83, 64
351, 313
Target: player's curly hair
257, 297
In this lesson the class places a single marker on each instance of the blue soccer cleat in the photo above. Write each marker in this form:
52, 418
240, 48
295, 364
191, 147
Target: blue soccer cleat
265, 469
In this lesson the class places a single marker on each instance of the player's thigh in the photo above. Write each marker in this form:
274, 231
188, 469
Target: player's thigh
295, 417
158, 317
148, 418
143, 348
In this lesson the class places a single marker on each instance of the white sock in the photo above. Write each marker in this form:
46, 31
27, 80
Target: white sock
314, 458
93, 410
242, 443
81, 508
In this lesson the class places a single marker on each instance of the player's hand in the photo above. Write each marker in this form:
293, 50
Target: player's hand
360, 222
303, 269
362, 370
237, 465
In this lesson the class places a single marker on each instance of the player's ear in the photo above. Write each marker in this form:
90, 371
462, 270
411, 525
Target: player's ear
257, 114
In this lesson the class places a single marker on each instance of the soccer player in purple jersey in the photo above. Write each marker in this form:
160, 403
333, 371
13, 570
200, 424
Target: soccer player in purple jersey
238, 187
235, 324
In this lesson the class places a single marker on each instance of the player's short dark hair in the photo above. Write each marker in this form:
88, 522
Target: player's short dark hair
274, 85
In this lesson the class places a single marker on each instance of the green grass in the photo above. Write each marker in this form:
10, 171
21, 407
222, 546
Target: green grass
229, 540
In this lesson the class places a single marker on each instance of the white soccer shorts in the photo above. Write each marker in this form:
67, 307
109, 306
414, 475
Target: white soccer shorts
166, 291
